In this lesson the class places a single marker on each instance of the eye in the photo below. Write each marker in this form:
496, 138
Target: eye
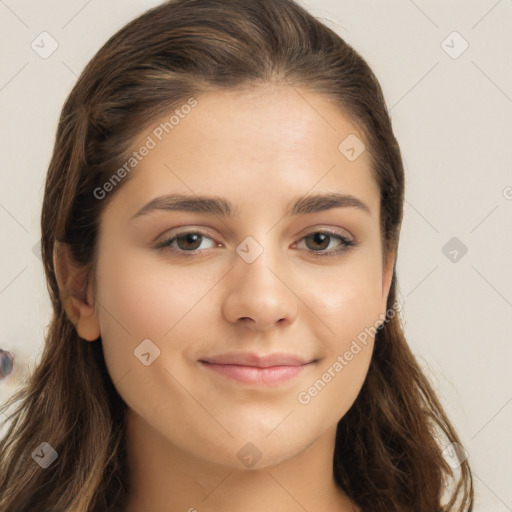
190, 242
324, 239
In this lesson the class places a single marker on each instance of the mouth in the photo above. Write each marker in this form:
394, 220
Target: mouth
265, 370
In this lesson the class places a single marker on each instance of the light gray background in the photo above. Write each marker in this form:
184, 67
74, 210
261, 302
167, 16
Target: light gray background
452, 119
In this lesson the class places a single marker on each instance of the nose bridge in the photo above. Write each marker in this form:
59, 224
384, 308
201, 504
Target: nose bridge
256, 259
258, 288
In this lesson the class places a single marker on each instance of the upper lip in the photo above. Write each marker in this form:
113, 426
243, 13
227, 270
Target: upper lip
261, 361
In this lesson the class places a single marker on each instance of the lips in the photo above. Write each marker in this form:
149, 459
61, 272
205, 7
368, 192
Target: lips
254, 369
261, 361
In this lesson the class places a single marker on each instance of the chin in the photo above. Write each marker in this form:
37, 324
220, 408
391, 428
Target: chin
251, 451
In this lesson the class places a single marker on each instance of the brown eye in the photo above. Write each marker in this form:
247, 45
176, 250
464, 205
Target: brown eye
319, 241
187, 242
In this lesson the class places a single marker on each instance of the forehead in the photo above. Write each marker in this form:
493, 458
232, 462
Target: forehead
252, 143
272, 118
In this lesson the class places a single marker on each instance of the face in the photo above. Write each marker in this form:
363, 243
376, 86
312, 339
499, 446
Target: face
187, 322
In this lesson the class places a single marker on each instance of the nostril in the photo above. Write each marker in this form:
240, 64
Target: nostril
6, 363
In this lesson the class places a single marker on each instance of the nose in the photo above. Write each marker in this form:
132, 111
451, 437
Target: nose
261, 294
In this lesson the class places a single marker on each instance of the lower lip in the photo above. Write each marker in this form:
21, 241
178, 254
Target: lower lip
256, 375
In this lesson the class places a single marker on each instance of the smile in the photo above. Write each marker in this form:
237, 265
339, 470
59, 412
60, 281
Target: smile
270, 375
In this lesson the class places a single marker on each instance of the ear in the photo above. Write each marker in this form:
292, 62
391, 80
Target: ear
76, 293
387, 276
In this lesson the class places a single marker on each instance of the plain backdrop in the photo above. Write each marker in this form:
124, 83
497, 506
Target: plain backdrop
446, 72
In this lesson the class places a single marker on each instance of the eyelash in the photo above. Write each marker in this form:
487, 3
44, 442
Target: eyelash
346, 243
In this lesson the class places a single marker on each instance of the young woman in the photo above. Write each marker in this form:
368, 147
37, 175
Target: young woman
220, 228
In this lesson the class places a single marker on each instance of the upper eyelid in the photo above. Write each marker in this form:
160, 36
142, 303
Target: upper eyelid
330, 231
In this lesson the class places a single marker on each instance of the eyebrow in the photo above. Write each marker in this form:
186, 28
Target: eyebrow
219, 206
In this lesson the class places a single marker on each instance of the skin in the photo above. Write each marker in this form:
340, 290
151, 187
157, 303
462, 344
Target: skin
258, 148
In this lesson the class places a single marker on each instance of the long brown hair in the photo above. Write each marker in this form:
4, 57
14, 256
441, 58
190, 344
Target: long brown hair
388, 453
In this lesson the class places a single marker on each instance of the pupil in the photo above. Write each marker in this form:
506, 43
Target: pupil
322, 236
190, 236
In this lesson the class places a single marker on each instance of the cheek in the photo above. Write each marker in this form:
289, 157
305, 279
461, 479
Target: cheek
142, 297
348, 300
350, 305
137, 301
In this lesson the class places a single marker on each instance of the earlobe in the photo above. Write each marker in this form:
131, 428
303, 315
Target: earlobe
76, 292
